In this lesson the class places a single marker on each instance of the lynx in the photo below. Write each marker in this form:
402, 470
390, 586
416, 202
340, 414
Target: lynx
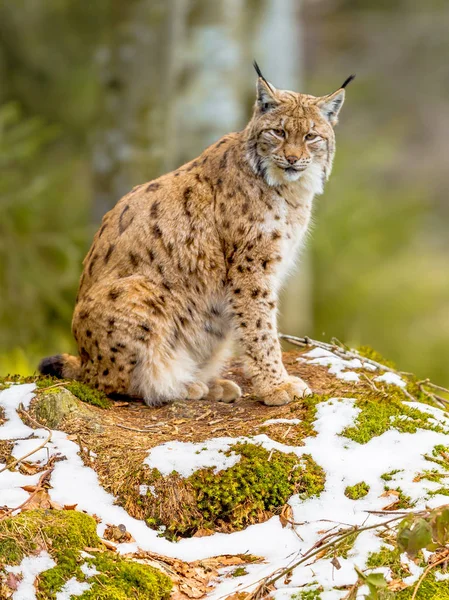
187, 265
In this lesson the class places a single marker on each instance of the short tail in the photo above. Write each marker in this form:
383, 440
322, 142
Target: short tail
63, 366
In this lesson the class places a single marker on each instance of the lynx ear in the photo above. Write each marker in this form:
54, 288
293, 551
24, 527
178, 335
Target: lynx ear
266, 93
330, 105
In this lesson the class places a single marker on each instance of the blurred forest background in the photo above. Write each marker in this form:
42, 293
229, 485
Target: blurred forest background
96, 97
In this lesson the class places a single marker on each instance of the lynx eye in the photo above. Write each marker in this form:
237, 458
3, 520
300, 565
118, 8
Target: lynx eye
311, 136
279, 132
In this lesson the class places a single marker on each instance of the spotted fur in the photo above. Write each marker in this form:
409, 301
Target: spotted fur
184, 266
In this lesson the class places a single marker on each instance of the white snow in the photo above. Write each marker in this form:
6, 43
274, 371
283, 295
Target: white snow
89, 571
391, 378
29, 569
71, 588
337, 366
344, 461
187, 457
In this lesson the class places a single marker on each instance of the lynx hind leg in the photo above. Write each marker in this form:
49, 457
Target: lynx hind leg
164, 375
223, 390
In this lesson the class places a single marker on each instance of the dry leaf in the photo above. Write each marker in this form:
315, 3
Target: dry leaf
336, 563
389, 493
12, 581
191, 590
109, 545
70, 506
39, 500
396, 585
286, 515
29, 488
203, 532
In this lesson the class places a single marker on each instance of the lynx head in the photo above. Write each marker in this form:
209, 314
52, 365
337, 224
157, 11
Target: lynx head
291, 135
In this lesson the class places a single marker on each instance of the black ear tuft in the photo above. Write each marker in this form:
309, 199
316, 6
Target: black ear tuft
258, 71
348, 80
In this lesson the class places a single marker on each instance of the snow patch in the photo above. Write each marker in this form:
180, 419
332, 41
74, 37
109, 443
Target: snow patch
337, 366
344, 461
71, 588
392, 379
30, 568
187, 457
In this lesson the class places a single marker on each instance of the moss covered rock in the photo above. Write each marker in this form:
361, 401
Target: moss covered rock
249, 492
66, 535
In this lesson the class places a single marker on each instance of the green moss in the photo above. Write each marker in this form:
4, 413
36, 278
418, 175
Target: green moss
429, 589
432, 475
389, 476
359, 490
248, 492
372, 354
64, 534
387, 557
439, 456
81, 390
314, 594
403, 501
89, 395
239, 572
378, 415
254, 484
442, 491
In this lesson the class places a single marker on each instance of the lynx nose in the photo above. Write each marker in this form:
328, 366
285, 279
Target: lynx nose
291, 159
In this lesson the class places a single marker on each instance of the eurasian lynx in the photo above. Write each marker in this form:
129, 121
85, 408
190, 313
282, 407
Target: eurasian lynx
187, 264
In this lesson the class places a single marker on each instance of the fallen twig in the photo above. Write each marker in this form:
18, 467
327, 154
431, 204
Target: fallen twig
313, 551
39, 487
133, 428
421, 579
336, 349
42, 445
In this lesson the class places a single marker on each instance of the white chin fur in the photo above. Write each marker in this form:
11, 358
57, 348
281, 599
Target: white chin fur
311, 179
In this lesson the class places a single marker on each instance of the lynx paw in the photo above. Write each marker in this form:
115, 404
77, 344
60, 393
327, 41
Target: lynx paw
292, 389
224, 390
197, 391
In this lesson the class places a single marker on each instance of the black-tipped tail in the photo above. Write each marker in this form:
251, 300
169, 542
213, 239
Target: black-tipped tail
62, 366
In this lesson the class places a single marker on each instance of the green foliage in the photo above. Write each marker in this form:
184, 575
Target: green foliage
370, 288
64, 534
359, 490
42, 239
376, 583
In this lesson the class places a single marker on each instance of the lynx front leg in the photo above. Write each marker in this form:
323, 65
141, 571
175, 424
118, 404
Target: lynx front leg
254, 310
